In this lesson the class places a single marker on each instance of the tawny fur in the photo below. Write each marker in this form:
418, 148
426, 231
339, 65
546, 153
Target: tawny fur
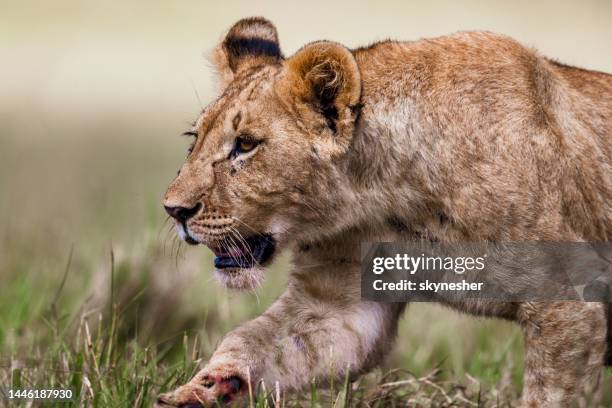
468, 137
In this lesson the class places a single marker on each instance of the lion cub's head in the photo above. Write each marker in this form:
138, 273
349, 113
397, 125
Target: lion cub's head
264, 168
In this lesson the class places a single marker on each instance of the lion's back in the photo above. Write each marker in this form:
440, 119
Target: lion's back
525, 132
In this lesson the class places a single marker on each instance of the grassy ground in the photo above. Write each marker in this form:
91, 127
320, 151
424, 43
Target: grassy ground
97, 296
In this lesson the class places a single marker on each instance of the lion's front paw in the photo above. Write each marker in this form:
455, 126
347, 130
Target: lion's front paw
203, 390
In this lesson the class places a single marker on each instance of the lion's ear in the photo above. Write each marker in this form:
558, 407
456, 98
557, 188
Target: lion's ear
251, 41
325, 76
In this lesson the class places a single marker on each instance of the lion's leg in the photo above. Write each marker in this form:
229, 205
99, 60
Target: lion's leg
304, 335
564, 352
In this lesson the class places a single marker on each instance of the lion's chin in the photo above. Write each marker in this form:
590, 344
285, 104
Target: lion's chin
241, 278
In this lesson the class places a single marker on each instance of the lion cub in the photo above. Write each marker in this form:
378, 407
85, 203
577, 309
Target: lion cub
465, 138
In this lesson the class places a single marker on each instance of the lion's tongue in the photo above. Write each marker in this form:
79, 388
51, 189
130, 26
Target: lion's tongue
232, 258
255, 250
234, 252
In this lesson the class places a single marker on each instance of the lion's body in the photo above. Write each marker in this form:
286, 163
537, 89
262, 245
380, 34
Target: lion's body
464, 138
490, 137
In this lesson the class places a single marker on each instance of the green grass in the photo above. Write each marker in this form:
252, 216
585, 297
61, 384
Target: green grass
97, 296
124, 347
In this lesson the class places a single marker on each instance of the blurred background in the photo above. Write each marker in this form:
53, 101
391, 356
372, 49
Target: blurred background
93, 96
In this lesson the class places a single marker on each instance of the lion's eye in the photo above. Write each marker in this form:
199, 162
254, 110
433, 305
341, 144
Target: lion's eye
194, 134
243, 145
246, 145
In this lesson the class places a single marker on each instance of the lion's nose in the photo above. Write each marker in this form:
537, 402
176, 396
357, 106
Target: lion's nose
182, 214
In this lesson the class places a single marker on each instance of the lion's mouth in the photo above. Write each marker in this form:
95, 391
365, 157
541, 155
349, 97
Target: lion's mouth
247, 253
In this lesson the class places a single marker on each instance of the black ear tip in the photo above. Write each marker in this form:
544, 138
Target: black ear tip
251, 37
254, 27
